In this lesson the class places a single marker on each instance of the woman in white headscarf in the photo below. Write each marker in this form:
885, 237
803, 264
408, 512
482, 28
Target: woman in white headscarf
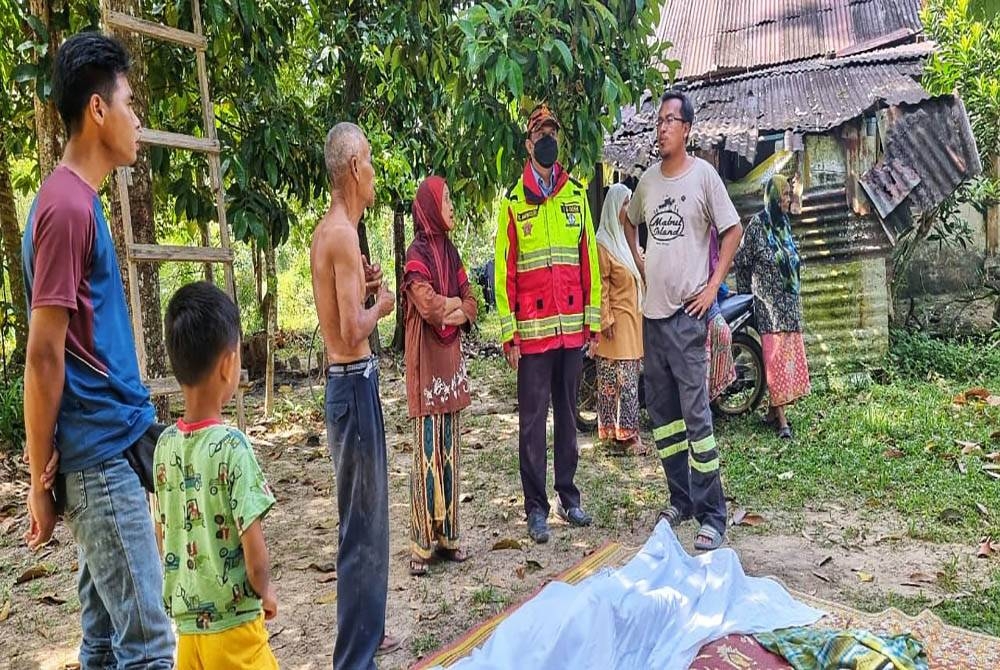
619, 353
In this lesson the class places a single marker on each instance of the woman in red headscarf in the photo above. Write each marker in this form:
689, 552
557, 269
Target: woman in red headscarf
437, 306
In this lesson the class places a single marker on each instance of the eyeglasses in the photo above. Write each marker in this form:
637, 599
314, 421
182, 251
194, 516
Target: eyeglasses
668, 120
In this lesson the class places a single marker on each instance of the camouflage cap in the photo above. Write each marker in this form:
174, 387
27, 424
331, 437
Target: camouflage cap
541, 115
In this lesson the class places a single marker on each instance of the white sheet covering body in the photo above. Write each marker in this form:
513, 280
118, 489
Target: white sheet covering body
654, 613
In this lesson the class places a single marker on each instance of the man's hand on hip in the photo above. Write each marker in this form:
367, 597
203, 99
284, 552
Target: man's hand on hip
699, 305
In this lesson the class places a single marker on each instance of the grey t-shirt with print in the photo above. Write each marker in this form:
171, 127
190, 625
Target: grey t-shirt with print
678, 213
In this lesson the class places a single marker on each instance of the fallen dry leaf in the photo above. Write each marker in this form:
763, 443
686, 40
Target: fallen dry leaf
981, 508
969, 448
326, 579
994, 475
785, 476
993, 401
986, 547
752, 520
923, 578
506, 543
992, 457
327, 598
865, 577
977, 393
36, 572
51, 599
995, 467
962, 467
893, 452
466, 497
8, 525
323, 567
519, 571
5, 610
959, 399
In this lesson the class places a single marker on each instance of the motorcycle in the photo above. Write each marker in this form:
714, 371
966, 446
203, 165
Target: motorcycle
740, 397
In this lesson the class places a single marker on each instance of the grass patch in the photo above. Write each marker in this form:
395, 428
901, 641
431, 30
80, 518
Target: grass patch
976, 608
886, 447
424, 644
917, 355
489, 599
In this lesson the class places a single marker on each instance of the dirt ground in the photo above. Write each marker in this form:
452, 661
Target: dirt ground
830, 550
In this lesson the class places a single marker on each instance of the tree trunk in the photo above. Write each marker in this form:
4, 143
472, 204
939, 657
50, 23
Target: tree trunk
10, 242
399, 255
48, 126
140, 196
270, 314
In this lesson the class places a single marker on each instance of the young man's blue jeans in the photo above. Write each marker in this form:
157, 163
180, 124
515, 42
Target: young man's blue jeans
121, 579
356, 438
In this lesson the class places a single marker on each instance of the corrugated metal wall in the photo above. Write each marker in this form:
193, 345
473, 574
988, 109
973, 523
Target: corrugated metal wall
845, 292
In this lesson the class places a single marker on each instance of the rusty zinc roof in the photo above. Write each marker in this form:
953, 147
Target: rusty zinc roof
719, 37
929, 151
809, 96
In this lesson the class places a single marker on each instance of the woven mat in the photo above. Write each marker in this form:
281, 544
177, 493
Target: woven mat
947, 647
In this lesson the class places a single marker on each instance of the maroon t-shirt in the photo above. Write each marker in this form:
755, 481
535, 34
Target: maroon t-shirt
70, 262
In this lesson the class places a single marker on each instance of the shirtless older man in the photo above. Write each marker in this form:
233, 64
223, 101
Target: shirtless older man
342, 280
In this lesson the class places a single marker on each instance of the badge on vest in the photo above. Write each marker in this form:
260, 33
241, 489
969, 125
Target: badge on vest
527, 214
571, 211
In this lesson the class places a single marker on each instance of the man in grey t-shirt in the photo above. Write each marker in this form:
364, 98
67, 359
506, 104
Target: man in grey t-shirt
680, 199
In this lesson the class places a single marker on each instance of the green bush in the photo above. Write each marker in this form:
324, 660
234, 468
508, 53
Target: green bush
917, 355
12, 415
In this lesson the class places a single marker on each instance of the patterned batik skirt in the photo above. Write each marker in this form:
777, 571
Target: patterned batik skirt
785, 367
617, 399
434, 484
719, 346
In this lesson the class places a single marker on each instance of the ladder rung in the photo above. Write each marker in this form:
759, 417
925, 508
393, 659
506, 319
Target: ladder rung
163, 138
169, 385
157, 30
163, 252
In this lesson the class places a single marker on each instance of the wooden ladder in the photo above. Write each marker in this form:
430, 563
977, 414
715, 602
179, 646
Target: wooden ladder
209, 145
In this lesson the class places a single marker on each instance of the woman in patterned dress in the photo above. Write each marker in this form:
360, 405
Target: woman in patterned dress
437, 306
619, 353
768, 264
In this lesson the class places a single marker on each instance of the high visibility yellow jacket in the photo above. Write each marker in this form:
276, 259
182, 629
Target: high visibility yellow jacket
548, 282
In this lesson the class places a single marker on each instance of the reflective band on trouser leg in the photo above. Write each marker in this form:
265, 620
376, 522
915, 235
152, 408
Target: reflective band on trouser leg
704, 462
703, 446
672, 449
670, 430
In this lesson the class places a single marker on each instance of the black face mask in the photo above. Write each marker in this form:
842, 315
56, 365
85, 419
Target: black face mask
546, 150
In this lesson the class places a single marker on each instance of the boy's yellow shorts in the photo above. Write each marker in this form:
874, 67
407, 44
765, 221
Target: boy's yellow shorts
244, 646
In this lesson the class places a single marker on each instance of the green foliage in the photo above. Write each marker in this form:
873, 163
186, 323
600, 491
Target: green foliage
272, 157
918, 356
587, 59
968, 60
12, 414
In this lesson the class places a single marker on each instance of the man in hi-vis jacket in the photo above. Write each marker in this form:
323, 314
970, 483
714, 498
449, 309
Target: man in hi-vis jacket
548, 292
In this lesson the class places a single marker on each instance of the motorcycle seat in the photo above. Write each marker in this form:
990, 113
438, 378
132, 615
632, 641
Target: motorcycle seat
734, 305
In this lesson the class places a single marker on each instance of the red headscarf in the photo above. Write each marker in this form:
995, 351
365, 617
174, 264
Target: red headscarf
432, 255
